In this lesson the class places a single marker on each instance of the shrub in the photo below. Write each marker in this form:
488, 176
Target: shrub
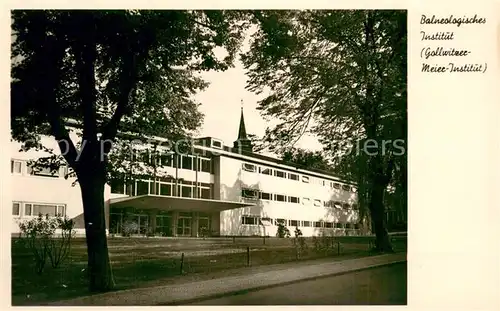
37, 234
204, 232
283, 231
299, 242
60, 248
324, 243
129, 227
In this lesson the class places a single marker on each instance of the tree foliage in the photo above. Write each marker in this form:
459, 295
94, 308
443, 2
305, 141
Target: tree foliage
307, 159
106, 72
340, 75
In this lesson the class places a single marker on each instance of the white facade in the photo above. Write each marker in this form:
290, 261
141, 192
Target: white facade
44, 193
314, 202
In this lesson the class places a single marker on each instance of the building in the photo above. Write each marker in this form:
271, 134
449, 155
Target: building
213, 190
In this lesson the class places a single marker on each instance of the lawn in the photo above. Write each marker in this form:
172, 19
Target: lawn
140, 262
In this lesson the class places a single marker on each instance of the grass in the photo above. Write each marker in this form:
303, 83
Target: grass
142, 262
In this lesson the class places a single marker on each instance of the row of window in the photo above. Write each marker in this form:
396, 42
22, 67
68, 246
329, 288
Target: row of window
185, 189
187, 162
293, 176
184, 162
265, 221
256, 194
16, 167
35, 209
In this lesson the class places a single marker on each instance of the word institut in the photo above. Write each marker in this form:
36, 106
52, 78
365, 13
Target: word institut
228, 191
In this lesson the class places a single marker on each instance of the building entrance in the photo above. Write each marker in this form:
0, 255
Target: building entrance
184, 226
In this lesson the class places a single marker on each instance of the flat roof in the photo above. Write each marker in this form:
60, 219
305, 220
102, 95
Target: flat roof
181, 204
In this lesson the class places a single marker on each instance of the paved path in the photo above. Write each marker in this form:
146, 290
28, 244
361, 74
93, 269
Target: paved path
379, 286
193, 291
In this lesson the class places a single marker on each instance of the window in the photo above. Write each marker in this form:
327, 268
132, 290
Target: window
61, 210
166, 189
249, 220
306, 201
317, 202
249, 167
279, 197
266, 171
166, 178
346, 206
44, 209
280, 174
337, 205
336, 186
293, 199
145, 157
266, 221
216, 144
130, 187
154, 187
356, 226
328, 224
348, 226
249, 193
186, 191
117, 185
317, 224
205, 193
142, 187
205, 165
305, 179
279, 221
339, 225
16, 208
265, 196
28, 209
15, 167
306, 223
294, 223
43, 171
187, 162
166, 159
346, 187
293, 176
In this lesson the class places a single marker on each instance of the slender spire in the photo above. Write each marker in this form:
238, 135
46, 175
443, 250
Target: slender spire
242, 133
243, 142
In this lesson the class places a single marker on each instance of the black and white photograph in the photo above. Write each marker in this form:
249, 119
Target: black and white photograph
208, 157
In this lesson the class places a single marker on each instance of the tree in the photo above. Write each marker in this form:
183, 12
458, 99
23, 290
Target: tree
306, 158
110, 72
340, 75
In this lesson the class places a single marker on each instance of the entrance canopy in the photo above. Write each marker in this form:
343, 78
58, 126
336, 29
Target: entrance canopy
176, 203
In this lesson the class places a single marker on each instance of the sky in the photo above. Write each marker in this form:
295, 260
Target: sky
221, 104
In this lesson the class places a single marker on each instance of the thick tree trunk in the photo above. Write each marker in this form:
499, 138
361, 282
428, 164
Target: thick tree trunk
377, 212
99, 267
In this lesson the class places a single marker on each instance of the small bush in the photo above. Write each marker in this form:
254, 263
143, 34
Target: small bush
324, 243
60, 248
204, 232
299, 242
283, 231
129, 227
37, 234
